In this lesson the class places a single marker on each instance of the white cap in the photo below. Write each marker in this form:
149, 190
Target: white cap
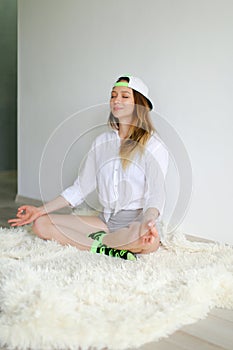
137, 85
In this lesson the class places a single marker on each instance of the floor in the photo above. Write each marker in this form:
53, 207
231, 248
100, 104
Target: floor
213, 333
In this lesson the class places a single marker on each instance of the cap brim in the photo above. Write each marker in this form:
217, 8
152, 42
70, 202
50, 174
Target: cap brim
150, 104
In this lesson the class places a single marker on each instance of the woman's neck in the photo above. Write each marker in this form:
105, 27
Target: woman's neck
124, 131
124, 128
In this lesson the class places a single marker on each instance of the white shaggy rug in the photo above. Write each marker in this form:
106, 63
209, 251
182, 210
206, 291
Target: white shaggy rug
54, 297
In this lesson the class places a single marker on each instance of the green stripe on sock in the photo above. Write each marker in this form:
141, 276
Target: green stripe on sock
94, 246
97, 236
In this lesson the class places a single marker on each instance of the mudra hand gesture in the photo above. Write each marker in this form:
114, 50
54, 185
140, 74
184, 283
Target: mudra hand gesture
26, 214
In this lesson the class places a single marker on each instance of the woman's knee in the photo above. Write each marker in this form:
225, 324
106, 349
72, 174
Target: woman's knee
41, 227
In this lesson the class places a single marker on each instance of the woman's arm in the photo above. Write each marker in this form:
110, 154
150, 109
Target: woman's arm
53, 205
27, 214
72, 195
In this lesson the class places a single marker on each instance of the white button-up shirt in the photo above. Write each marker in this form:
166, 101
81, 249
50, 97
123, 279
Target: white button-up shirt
140, 185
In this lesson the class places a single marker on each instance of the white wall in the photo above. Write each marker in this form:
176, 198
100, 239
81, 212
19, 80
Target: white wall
71, 51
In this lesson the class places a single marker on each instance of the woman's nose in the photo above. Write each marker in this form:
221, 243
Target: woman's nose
117, 99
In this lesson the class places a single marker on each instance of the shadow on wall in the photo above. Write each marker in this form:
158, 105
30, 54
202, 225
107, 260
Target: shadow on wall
8, 85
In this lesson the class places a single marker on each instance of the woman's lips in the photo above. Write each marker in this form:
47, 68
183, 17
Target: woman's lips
117, 108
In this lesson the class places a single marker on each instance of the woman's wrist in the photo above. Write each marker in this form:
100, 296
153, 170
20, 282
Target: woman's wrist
42, 210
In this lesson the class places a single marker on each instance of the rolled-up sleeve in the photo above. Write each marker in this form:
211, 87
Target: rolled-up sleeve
155, 171
85, 182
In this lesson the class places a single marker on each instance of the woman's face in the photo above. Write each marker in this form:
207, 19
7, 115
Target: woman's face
122, 102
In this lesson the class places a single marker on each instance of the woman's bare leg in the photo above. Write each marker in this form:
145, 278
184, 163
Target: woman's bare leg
68, 229
74, 230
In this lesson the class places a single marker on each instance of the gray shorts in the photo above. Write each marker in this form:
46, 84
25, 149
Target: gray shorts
122, 219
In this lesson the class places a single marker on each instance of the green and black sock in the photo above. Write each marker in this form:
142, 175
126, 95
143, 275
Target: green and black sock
99, 248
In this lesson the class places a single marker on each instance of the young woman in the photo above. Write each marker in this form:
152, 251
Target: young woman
127, 166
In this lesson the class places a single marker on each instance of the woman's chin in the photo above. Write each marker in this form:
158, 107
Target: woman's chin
122, 117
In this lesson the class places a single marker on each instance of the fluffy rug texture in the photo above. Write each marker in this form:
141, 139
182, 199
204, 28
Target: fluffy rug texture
54, 297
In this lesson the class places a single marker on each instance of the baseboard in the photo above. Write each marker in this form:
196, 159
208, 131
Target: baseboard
198, 239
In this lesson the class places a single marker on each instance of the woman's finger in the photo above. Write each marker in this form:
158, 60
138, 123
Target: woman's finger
14, 220
19, 215
154, 231
22, 223
22, 211
151, 223
151, 239
23, 207
12, 225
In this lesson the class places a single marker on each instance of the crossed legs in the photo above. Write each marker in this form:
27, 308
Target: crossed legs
68, 229
74, 230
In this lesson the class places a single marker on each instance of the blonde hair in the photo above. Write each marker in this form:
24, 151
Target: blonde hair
140, 130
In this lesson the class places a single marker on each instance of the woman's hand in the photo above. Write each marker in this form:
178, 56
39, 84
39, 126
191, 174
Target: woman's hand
143, 237
25, 215
148, 232
149, 237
